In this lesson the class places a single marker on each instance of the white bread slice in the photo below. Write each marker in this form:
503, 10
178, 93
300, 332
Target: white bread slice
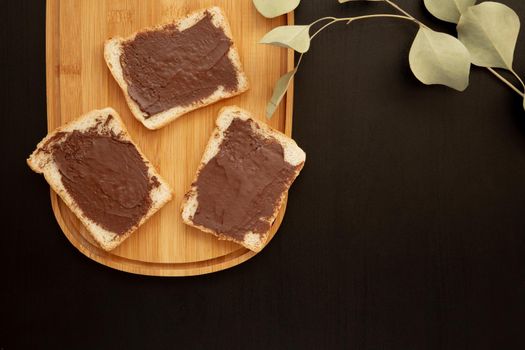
41, 161
293, 155
113, 51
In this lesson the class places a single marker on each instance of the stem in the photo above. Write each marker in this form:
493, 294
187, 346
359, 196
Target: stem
351, 19
397, 7
408, 18
394, 5
334, 20
505, 81
518, 77
298, 62
321, 19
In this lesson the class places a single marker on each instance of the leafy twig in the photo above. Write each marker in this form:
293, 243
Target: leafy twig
297, 38
493, 71
435, 58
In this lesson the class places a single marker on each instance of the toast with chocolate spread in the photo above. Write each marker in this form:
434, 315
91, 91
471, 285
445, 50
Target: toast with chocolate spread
102, 176
242, 180
169, 70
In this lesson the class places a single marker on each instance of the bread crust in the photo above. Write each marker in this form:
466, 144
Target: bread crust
293, 155
42, 162
113, 51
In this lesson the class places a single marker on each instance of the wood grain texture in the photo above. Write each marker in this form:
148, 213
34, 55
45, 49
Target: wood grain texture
79, 81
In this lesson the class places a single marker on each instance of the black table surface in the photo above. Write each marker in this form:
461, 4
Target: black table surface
405, 230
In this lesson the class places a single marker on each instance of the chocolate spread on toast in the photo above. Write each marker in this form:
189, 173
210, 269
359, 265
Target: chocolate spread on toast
239, 189
106, 176
166, 68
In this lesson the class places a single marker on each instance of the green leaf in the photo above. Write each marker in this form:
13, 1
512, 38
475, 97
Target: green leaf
278, 92
293, 37
274, 8
439, 58
448, 10
490, 31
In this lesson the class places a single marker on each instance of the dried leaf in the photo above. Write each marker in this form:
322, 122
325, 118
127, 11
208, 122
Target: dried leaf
293, 37
490, 31
439, 58
448, 10
274, 8
278, 92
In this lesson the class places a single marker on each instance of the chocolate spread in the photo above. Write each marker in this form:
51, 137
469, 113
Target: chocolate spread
166, 68
106, 176
239, 189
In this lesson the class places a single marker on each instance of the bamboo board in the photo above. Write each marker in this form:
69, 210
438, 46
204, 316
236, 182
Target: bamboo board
79, 81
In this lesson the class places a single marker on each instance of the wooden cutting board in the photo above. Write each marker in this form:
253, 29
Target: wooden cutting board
79, 81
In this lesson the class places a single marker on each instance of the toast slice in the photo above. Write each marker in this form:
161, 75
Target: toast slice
242, 180
169, 70
102, 176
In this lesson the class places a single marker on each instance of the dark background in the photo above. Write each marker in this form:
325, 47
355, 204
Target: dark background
406, 229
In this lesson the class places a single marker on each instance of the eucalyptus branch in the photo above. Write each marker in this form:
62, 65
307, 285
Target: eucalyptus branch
434, 57
493, 71
298, 38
